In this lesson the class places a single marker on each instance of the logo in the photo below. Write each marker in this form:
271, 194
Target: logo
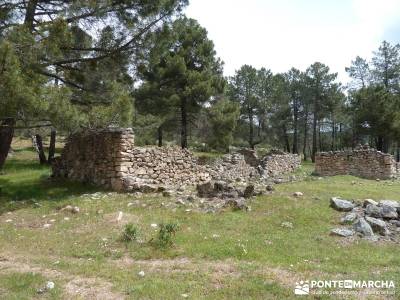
302, 288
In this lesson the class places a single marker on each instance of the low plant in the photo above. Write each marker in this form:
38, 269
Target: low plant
130, 233
166, 234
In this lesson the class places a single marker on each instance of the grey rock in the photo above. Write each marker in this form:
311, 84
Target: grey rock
237, 204
389, 212
373, 211
395, 222
369, 201
270, 188
378, 226
167, 193
363, 227
348, 218
341, 205
343, 232
287, 225
390, 203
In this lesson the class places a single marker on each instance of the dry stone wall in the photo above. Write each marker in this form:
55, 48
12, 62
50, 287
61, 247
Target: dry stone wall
110, 159
362, 162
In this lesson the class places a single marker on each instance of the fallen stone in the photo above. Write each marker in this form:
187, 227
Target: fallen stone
341, 205
298, 194
141, 274
71, 209
167, 193
343, 232
363, 227
378, 226
348, 218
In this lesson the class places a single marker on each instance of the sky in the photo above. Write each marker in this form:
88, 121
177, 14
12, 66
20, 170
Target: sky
281, 34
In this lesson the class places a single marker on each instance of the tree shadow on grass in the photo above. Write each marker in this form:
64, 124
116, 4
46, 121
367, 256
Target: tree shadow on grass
26, 182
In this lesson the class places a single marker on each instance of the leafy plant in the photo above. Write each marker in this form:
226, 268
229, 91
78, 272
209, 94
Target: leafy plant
130, 233
166, 234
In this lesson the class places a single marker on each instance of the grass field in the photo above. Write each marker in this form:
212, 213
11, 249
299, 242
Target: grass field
228, 255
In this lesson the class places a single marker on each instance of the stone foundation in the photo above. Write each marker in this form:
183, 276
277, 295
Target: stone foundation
362, 162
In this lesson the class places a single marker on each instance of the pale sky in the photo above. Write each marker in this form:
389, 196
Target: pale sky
280, 34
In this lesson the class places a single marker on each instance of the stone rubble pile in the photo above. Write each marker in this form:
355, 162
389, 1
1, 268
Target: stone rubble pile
362, 162
370, 219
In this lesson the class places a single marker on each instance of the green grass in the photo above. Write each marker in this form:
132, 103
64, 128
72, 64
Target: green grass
250, 256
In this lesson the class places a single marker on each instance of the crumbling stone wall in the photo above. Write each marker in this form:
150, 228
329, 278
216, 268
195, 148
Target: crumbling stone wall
109, 158
362, 162
246, 165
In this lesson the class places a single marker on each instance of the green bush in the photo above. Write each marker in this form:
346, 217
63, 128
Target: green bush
166, 234
130, 233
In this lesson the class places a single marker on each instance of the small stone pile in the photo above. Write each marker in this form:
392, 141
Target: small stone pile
370, 219
363, 162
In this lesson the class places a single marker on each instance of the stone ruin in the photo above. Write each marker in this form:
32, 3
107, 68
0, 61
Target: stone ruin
363, 162
109, 158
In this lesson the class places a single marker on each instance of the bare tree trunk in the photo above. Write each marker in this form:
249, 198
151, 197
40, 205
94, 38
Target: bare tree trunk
314, 144
6, 136
52, 146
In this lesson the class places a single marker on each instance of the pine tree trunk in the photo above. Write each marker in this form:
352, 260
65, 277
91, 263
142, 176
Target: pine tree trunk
251, 131
30, 14
6, 136
295, 128
39, 144
184, 121
314, 141
52, 146
333, 135
305, 133
286, 138
160, 136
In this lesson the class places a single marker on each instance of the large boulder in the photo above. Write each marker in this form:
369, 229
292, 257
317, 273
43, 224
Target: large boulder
391, 203
348, 218
341, 204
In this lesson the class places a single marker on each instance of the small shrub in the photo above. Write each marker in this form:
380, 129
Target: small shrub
166, 234
130, 233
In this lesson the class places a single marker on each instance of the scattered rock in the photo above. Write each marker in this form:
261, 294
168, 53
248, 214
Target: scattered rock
298, 194
46, 225
343, 232
237, 204
50, 285
167, 193
141, 274
395, 222
270, 188
287, 225
369, 201
390, 203
71, 209
341, 205
348, 218
378, 226
363, 227
205, 190
389, 212
373, 211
